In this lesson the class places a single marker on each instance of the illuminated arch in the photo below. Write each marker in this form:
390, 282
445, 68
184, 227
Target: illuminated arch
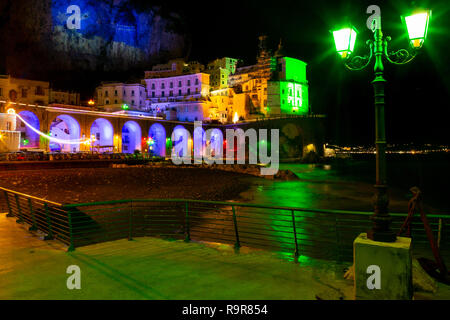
131, 137
157, 134
103, 133
28, 137
67, 128
199, 141
180, 141
215, 140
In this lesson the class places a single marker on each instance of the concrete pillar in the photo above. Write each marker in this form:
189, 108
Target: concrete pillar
383, 271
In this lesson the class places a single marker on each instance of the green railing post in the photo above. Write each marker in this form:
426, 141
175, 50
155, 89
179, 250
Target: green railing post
19, 209
69, 220
188, 231
296, 254
237, 244
49, 236
33, 218
130, 226
10, 213
439, 233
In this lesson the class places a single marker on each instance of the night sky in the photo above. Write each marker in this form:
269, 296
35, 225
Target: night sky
417, 94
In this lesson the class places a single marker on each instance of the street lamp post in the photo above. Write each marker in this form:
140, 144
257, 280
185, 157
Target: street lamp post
417, 25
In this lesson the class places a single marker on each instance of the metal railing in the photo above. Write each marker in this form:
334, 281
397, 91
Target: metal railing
46, 216
324, 234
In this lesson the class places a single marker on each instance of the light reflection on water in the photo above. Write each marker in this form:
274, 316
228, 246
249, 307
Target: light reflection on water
319, 187
330, 186
350, 187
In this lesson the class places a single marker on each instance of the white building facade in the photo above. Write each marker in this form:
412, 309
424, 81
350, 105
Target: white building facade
178, 87
113, 96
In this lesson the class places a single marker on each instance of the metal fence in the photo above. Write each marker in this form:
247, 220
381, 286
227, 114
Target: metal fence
325, 234
46, 216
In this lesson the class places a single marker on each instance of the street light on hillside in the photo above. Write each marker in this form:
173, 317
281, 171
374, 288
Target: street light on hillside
345, 39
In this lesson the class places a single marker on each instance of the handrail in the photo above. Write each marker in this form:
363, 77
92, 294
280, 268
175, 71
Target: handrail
78, 224
32, 197
250, 205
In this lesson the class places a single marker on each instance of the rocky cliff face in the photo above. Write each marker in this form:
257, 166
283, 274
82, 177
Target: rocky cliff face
114, 36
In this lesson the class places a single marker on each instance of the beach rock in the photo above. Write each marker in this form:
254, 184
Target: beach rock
286, 175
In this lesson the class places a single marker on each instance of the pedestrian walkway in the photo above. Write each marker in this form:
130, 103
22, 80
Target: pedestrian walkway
150, 268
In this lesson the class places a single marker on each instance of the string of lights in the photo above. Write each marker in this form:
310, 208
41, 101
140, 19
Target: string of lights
50, 138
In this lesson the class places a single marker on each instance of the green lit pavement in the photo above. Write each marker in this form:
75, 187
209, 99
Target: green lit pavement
148, 268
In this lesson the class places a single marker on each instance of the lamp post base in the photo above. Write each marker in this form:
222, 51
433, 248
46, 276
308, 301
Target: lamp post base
381, 220
383, 271
382, 236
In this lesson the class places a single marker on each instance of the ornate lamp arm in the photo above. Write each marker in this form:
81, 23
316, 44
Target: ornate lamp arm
401, 56
357, 62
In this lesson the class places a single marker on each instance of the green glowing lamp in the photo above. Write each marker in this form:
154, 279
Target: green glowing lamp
345, 39
417, 26
125, 107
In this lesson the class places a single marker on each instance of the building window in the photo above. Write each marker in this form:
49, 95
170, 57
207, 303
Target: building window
39, 91
189, 82
171, 85
179, 84
132, 102
153, 86
189, 91
1, 92
162, 93
171, 93
124, 93
106, 93
107, 102
115, 93
162, 86
179, 92
115, 101
153, 94
196, 81
132, 93
196, 90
